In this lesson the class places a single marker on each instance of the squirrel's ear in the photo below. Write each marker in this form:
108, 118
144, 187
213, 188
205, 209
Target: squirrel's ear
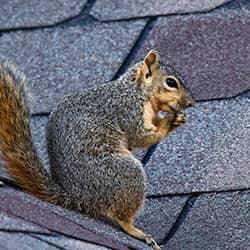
151, 58
151, 62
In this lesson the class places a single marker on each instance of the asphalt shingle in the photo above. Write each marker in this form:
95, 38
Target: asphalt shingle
210, 51
210, 152
67, 243
18, 204
157, 218
166, 210
216, 221
119, 9
3, 173
159, 215
243, 5
35, 13
60, 60
13, 241
38, 128
10, 222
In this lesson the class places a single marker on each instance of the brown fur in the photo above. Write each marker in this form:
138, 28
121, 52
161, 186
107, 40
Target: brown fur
17, 150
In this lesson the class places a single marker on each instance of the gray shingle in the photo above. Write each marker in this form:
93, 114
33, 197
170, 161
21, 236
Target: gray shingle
118, 9
3, 173
210, 152
14, 241
38, 127
10, 222
156, 219
216, 221
210, 51
45, 215
243, 5
33, 13
69, 243
60, 60
159, 215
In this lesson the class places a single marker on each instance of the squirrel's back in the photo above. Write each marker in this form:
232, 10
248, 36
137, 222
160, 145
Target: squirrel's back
118, 104
84, 141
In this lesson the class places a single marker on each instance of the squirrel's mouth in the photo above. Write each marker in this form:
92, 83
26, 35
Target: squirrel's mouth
179, 107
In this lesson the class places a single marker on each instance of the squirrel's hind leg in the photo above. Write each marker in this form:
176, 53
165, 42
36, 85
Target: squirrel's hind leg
129, 228
127, 193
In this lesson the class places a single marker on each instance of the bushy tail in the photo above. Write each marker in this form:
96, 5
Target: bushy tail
16, 146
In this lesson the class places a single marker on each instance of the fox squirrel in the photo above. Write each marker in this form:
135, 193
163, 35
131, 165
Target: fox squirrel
90, 136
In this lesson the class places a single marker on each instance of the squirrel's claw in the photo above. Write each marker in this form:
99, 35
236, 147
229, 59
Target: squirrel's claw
150, 241
180, 118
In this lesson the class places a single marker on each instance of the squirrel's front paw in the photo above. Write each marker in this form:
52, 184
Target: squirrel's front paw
179, 119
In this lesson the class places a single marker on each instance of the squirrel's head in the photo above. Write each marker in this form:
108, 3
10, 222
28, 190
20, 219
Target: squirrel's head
170, 94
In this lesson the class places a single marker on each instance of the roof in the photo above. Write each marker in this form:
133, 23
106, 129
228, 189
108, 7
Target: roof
198, 188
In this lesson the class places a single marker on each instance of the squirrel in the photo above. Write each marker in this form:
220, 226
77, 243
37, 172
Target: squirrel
90, 137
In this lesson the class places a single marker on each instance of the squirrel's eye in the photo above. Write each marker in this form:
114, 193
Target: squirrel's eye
171, 82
